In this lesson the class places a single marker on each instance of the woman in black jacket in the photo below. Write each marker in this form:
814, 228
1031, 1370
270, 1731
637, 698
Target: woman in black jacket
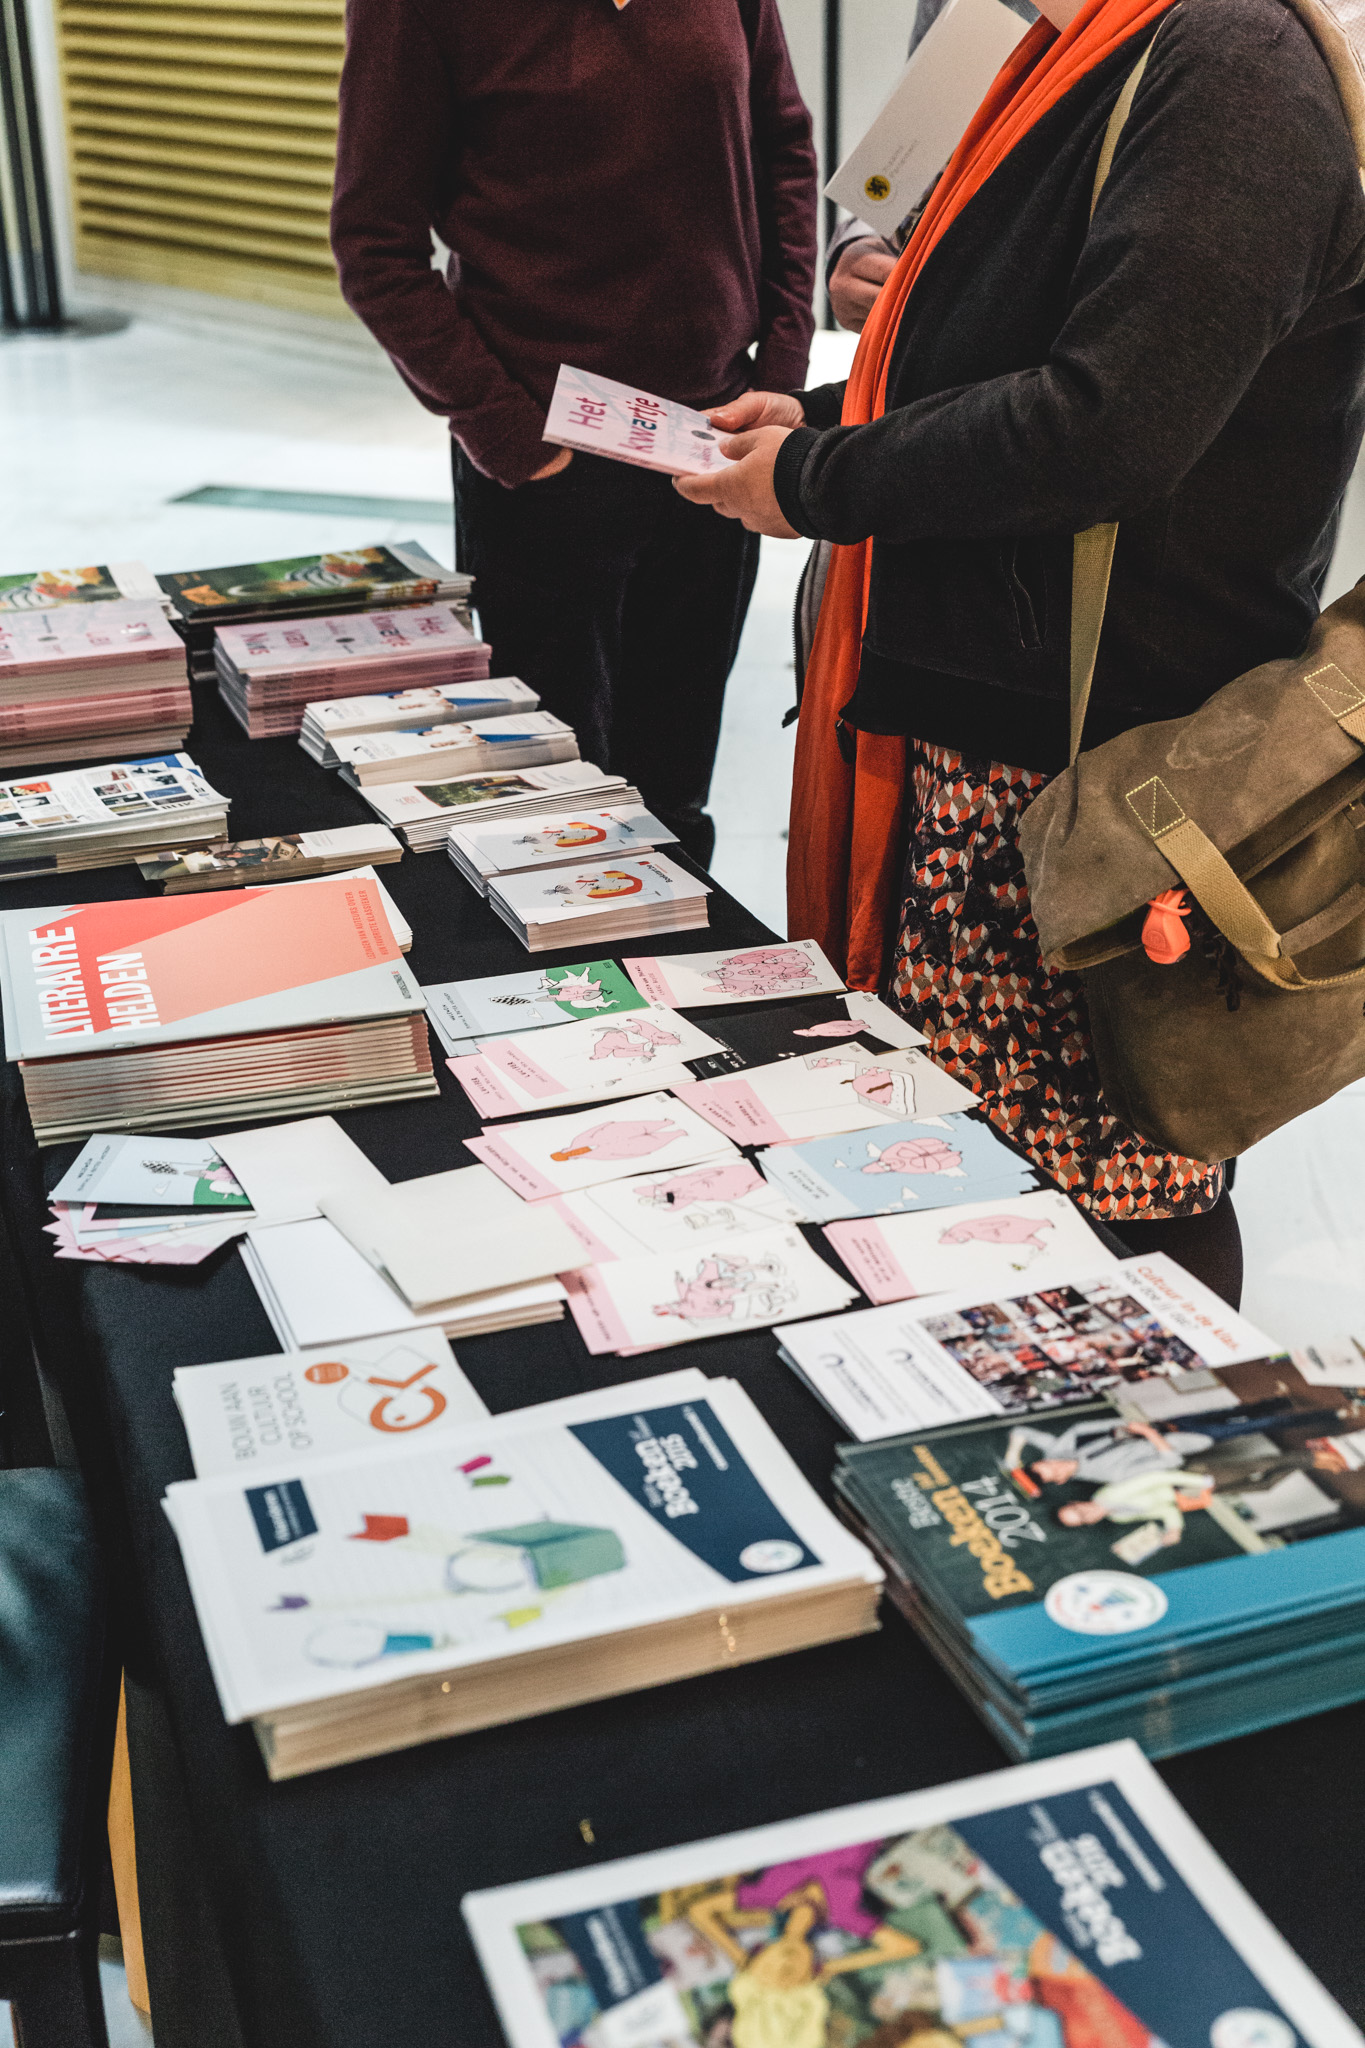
1190, 364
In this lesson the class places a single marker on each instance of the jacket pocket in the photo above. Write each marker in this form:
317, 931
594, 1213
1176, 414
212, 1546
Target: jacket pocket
1026, 580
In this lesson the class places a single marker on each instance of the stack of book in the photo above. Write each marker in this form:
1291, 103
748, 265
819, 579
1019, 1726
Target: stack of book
140, 1015
39, 589
622, 1538
1066, 1904
336, 718
101, 817
279, 857
81, 681
555, 840
533, 739
600, 903
423, 812
304, 587
268, 673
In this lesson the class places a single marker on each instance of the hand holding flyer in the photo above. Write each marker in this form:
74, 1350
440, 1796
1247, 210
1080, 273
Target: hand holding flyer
601, 417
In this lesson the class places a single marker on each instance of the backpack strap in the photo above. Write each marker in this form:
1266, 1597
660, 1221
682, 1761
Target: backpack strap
1092, 553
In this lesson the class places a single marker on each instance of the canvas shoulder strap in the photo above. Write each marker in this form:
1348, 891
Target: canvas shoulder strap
1092, 554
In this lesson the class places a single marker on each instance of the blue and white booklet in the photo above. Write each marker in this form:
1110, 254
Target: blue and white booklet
921, 1162
1054, 1904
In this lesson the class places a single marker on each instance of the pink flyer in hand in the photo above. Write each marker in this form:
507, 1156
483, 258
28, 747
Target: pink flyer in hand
601, 417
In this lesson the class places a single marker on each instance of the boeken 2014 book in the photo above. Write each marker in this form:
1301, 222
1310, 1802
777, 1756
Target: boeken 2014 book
1069, 1904
372, 1600
135, 1015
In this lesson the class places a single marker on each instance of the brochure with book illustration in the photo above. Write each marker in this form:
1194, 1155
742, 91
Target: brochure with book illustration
782, 1031
103, 816
922, 1162
161, 1172
672, 1212
1084, 1331
588, 1061
282, 857
40, 589
693, 981
527, 739
333, 718
601, 901
462, 1012
554, 841
982, 1245
372, 1599
818, 1093
1182, 1561
920, 124
555, 1155
1065, 1904
425, 811
247, 1413
394, 573
718, 1286
601, 417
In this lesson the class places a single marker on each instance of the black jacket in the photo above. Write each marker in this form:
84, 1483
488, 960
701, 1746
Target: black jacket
1190, 364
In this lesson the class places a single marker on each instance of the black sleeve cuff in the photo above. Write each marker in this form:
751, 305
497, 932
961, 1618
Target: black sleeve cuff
824, 406
787, 472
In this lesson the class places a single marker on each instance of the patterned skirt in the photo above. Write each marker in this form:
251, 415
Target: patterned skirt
969, 974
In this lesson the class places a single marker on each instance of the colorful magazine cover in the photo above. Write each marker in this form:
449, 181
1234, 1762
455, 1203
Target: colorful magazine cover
1069, 1904
40, 589
361, 573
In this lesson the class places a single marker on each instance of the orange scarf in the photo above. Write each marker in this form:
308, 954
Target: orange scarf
844, 851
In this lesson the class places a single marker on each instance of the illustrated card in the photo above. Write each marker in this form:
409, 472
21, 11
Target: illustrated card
586, 1061
733, 1284
922, 1162
555, 1155
816, 1094
751, 974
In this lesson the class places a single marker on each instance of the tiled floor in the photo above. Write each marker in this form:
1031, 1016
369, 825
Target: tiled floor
102, 433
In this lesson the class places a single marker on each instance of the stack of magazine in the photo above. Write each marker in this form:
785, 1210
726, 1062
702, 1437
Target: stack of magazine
101, 817
40, 589
304, 587
279, 857
600, 902
268, 673
1066, 1904
623, 1538
140, 1015
556, 839
334, 718
81, 681
529, 739
423, 812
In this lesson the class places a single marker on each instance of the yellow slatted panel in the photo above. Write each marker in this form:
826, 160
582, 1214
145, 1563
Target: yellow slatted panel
202, 141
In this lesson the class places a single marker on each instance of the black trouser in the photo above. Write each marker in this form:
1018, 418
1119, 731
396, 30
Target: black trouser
622, 605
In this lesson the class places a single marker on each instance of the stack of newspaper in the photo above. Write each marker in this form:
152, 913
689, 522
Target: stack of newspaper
270, 672
141, 1015
336, 718
367, 1600
81, 681
532, 739
101, 817
304, 587
423, 812
554, 839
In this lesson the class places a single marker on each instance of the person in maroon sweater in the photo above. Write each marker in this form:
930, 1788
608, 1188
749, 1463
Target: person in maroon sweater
627, 186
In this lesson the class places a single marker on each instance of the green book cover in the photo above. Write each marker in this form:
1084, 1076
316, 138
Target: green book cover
346, 574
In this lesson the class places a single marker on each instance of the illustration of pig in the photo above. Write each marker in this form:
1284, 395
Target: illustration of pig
767, 971
633, 1041
621, 1141
914, 1155
998, 1230
724, 1183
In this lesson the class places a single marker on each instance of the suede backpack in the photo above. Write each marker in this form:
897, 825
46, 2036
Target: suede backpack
1254, 806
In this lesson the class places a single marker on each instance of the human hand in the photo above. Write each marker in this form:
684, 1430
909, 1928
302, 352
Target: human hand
743, 490
552, 467
757, 409
856, 279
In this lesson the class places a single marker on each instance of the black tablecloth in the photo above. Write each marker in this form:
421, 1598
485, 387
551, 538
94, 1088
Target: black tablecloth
334, 1899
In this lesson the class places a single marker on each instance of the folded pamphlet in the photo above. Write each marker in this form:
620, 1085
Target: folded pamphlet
979, 1245
1086, 1331
251, 1412
332, 718
462, 1012
286, 1169
554, 1155
424, 811
817, 1093
691, 981
671, 1212
601, 417
922, 1162
588, 1061
721, 1285
1055, 1904
528, 739
525, 1562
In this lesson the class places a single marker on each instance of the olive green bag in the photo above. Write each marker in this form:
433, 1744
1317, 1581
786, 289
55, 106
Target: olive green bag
1256, 806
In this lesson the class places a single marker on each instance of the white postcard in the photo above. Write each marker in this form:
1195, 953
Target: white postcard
554, 1155
671, 1212
607, 886
750, 974
287, 1168
981, 1245
820, 1094
587, 1061
745, 1283
497, 1004
182, 1173
601, 417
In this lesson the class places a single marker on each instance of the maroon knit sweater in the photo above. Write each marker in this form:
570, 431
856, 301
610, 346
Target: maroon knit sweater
593, 169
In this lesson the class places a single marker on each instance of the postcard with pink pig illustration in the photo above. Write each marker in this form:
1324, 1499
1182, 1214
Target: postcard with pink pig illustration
840, 1087
553, 1155
635, 1054
923, 1162
710, 1290
980, 1244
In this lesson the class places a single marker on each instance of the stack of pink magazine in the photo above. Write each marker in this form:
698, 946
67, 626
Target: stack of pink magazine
269, 673
87, 682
